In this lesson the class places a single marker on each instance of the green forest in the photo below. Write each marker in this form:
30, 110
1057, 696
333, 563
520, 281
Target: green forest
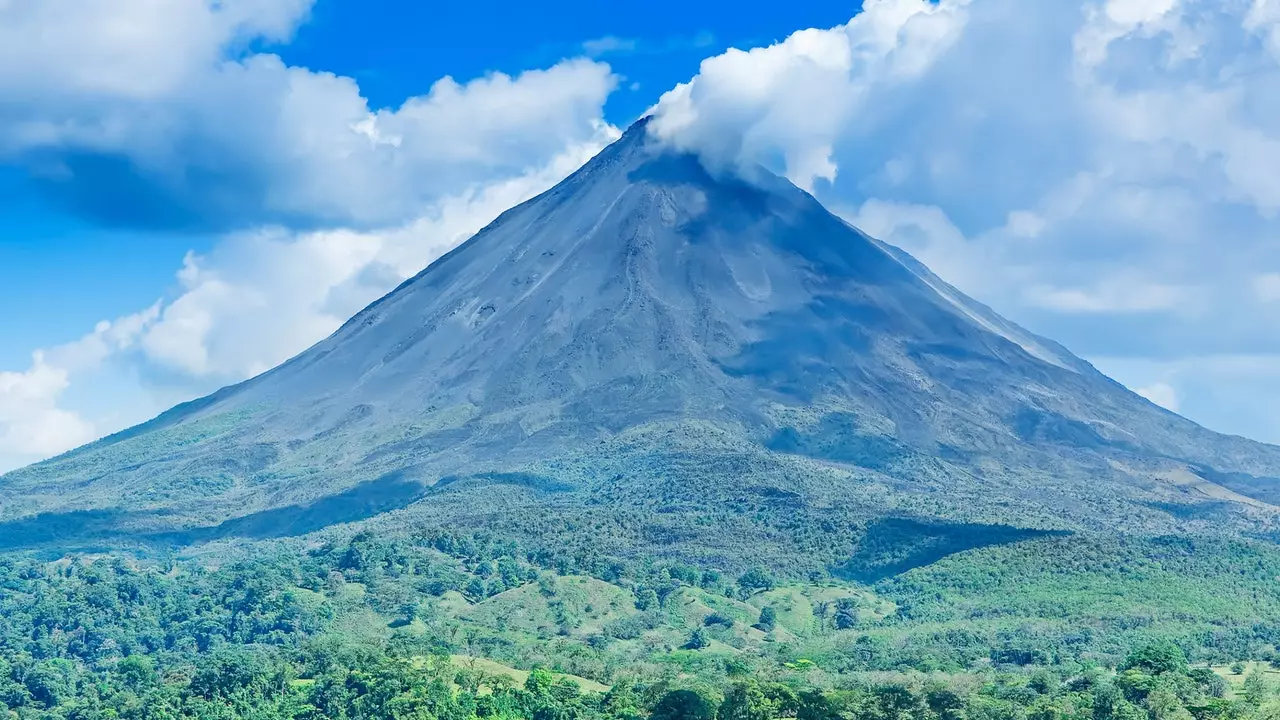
446, 625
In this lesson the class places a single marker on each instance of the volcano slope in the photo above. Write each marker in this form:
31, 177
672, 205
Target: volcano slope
651, 359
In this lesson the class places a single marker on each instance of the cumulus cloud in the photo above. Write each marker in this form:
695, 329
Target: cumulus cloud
794, 99
71, 52
32, 425
1264, 19
153, 113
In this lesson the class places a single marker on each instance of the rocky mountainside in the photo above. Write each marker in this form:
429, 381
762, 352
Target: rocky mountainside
653, 358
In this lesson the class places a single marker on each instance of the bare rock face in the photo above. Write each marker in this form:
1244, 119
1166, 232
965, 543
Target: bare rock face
675, 358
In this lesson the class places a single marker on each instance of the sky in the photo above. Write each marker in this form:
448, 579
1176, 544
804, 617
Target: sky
192, 191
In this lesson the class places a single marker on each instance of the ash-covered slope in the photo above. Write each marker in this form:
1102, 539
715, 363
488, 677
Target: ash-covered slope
643, 343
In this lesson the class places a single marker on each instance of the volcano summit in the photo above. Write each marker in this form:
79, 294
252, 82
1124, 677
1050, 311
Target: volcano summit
651, 355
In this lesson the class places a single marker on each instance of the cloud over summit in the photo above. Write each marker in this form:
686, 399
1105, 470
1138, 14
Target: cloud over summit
788, 103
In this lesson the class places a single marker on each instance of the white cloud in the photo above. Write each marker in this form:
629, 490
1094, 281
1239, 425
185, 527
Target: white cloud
1115, 19
68, 52
32, 423
1024, 223
794, 99
159, 100
32, 426
615, 45
1161, 394
1107, 171
1264, 19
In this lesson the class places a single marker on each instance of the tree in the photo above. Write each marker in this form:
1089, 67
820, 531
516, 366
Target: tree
943, 702
1043, 682
697, 641
747, 701
50, 682
646, 599
1255, 688
475, 589
768, 619
1210, 682
1135, 684
409, 611
539, 681
817, 705
1237, 668
621, 700
136, 671
846, 614
821, 610
1045, 709
1157, 658
1109, 704
684, 705
894, 702
1166, 705
756, 579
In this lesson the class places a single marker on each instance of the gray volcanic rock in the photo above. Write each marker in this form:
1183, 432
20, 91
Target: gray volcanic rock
660, 349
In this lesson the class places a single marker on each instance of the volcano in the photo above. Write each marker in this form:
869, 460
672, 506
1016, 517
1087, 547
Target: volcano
655, 358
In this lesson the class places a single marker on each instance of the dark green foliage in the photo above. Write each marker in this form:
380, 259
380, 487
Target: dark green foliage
646, 599
697, 640
1157, 658
1255, 689
748, 701
684, 705
756, 579
846, 614
768, 619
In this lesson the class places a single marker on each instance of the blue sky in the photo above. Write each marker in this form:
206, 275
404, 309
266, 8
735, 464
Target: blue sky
192, 192
396, 49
